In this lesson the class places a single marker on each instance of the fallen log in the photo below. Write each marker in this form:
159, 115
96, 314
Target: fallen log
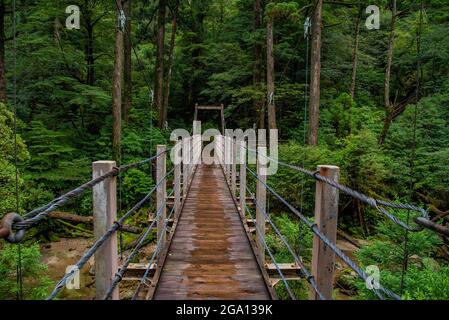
440, 214
65, 216
348, 238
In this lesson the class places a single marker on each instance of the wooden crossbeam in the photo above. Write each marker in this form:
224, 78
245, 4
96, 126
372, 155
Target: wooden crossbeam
170, 221
212, 107
209, 107
136, 271
290, 271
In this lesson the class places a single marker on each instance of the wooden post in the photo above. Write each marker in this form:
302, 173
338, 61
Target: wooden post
326, 216
217, 150
197, 149
191, 158
185, 167
243, 176
261, 197
161, 196
228, 158
177, 182
222, 148
234, 168
105, 214
223, 125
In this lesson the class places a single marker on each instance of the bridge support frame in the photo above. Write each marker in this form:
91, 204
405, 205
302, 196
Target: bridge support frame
105, 214
326, 218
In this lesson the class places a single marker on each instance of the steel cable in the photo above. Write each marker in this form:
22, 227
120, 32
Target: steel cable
298, 260
327, 242
153, 257
375, 203
119, 275
39, 214
281, 274
80, 264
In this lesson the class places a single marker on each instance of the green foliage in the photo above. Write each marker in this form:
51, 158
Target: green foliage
277, 10
135, 186
339, 115
386, 251
7, 166
46, 147
299, 238
427, 283
64, 106
432, 154
36, 284
296, 234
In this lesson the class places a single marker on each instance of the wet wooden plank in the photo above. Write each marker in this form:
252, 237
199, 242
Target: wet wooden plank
210, 256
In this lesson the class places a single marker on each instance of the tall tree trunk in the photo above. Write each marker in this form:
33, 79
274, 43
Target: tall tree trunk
389, 107
258, 103
170, 65
270, 77
314, 106
355, 55
117, 91
3, 88
159, 75
199, 12
128, 63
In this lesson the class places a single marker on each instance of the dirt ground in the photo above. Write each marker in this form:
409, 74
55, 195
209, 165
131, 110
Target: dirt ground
66, 252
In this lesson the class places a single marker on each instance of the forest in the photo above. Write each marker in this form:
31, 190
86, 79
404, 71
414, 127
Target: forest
372, 100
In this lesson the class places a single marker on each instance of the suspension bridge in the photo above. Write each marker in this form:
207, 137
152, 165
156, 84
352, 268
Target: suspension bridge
211, 227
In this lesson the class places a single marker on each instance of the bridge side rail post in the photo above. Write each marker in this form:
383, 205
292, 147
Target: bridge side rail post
105, 214
222, 147
228, 158
185, 166
217, 150
191, 157
234, 168
326, 218
261, 198
242, 176
177, 180
161, 193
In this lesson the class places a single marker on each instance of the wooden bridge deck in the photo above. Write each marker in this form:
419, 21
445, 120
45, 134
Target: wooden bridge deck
210, 256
